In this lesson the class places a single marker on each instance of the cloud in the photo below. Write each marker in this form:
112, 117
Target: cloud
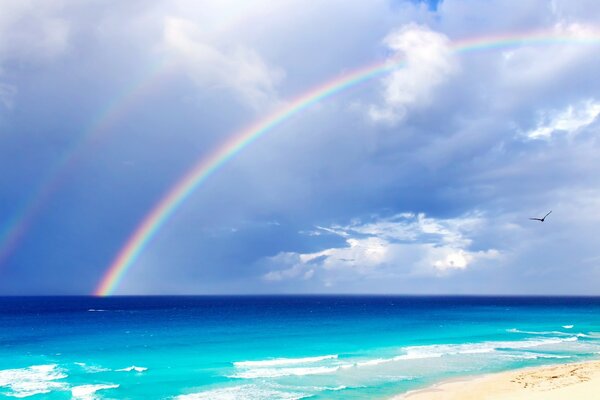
405, 244
236, 68
429, 62
32, 30
569, 121
7, 94
462, 145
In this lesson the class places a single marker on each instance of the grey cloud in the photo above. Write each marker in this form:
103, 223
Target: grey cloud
462, 151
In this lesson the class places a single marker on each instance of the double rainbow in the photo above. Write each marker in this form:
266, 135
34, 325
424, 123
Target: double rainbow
205, 167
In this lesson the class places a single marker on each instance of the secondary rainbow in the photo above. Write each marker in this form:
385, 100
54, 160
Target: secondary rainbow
132, 95
205, 167
13, 231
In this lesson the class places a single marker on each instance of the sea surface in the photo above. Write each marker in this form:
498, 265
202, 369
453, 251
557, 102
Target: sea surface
284, 347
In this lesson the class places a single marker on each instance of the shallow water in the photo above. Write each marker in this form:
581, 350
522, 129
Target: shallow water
278, 347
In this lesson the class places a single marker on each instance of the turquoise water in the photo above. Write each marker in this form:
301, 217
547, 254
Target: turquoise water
278, 347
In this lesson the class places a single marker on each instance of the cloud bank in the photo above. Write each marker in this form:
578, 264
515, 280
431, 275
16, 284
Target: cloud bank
419, 181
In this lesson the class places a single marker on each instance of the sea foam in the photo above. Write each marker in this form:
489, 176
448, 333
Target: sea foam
92, 369
283, 361
88, 392
554, 333
442, 350
36, 379
132, 368
279, 372
330, 364
244, 392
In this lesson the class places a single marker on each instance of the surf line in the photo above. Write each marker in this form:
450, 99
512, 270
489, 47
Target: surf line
206, 166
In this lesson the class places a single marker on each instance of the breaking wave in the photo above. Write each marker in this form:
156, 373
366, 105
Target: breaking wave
133, 368
329, 364
283, 361
88, 392
36, 379
244, 392
279, 372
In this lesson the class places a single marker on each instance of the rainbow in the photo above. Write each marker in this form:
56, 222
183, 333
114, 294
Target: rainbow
13, 232
205, 167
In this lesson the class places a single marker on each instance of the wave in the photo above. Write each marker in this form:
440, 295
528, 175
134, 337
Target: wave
440, 350
371, 363
132, 368
92, 369
36, 379
87, 392
535, 356
559, 333
593, 335
551, 356
322, 365
95, 310
589, 335
244, 392
283, 361
280, 372
335, 389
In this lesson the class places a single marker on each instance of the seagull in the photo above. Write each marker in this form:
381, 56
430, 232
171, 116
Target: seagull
541, 219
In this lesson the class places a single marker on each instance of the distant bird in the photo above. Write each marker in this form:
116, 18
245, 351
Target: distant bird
541, 219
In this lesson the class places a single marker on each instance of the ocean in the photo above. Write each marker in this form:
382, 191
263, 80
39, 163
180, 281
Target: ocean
278, 347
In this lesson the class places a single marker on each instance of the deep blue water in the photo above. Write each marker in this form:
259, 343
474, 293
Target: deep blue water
284, 347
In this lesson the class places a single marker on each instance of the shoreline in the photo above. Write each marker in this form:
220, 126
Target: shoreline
579, 380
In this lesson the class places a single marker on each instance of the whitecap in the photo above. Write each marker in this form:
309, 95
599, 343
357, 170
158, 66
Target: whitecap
534, 356
36, 379
323, 365
254, 373
371, 363
88, 392
559, 333
244, 392
552, 356
92, 369
336, 388
568, 326
595, 335
133, 368
283, 361
442, 350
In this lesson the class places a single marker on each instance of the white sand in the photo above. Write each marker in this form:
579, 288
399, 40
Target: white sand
580, 381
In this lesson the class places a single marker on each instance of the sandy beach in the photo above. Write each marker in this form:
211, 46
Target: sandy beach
567, 381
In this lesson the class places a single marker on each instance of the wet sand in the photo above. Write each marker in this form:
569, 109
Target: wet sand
579, 381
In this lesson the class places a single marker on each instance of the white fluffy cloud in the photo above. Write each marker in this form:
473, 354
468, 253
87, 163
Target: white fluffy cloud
239, 68
428, 62
405, 244
569, 120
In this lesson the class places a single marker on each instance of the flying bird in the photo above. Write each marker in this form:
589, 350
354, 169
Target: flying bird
541, 219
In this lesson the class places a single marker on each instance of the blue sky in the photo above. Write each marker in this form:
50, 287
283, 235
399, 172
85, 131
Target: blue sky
419, 181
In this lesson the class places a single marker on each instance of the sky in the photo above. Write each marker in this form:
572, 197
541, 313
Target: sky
418, 180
